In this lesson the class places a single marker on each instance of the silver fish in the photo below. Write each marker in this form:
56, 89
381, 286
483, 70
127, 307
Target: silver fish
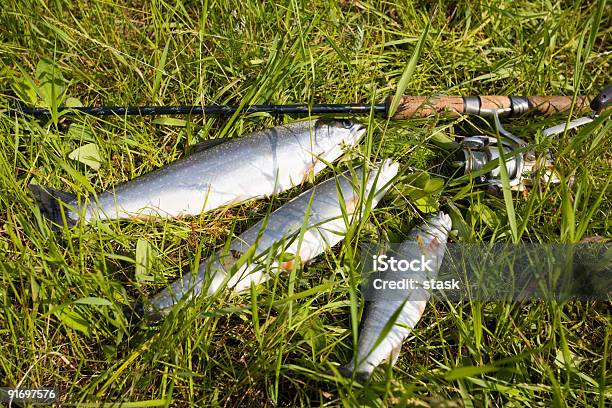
318, 212
254, 166
427, 241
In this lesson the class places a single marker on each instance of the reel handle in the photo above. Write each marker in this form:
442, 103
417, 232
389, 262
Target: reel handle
602, 100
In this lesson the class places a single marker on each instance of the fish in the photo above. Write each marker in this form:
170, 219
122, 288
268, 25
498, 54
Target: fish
257, 165
373, 346
318, 213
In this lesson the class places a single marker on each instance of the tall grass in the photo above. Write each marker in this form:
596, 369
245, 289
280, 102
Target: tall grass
61, 293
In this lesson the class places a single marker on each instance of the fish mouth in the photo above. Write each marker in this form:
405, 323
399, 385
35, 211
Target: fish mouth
382, 172
357, 132
387, 166
444, 222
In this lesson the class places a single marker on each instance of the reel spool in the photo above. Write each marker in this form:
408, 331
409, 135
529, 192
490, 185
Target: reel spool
477, 152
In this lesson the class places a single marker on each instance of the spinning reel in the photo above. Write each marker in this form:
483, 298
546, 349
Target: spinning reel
477, 152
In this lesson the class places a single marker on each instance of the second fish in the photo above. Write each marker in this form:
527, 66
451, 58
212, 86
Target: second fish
303, 228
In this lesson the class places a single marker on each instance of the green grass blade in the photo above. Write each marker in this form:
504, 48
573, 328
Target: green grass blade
507, 192
404, 81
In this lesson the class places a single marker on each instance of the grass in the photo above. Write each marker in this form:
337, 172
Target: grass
62, 292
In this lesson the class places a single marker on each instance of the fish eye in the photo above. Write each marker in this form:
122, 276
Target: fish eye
347, 124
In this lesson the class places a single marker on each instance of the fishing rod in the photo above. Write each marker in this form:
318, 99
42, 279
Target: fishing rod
408, 107
475, 153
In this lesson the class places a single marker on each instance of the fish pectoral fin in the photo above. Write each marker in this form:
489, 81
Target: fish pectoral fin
351, 204
288, 261
287, 266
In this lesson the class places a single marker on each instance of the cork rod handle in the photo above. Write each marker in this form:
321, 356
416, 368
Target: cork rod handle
454, 106
552, 104
423, 106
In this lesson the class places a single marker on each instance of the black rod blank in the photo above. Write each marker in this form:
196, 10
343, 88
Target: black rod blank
221, 110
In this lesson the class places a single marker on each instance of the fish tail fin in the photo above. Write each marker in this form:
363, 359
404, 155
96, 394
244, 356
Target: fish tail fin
348, 371
49, 201
133, 313
365, 369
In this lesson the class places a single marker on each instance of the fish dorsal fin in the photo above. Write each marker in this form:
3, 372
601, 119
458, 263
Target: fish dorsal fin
207, 144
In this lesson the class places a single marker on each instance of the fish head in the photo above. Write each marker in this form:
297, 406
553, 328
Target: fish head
378, 181
387, 169
438, 226
331, 133
442, 221
381, 175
